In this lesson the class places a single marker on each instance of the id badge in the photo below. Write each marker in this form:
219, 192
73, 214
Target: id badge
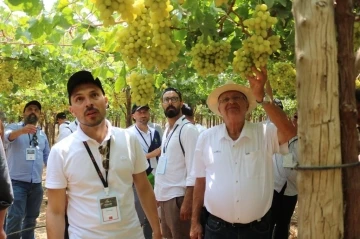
30, 154
109, 209
161, 167
153, 163
288, 161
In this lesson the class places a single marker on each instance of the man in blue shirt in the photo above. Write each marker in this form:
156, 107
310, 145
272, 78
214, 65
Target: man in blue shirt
27, 151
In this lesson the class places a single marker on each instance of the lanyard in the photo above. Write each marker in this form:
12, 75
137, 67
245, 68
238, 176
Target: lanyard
168, 139
31, 140
105, 182
143, 136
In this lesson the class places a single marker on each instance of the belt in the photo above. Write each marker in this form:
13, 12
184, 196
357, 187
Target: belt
228, 224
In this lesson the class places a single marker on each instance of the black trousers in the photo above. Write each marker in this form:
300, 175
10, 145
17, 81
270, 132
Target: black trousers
282, 210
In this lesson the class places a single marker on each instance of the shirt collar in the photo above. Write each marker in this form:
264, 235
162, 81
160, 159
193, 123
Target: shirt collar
245, 132
149, 131
83, 137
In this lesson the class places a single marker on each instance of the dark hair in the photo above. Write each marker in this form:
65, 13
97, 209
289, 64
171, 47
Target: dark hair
61, 115
187, 110
172, 89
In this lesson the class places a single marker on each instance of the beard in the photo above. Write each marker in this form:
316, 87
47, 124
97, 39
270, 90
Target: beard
171, 111
31, 119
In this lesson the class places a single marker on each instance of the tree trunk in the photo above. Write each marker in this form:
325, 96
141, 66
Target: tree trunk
348, 116
320, 191
128, 117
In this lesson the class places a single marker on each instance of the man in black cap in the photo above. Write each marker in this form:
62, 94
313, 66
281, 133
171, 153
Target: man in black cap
150, 142
64, 126
27, 151
97, 165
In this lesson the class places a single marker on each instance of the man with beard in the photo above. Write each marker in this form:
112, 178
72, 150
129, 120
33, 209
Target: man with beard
173, 182
27, 151
97, 165
150, 142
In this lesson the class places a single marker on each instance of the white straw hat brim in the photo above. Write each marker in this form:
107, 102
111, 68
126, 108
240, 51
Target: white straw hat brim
212, 100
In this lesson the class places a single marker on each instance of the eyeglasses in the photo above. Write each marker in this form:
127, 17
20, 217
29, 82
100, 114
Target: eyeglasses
35, 140
104, 151
172, 99
235, 99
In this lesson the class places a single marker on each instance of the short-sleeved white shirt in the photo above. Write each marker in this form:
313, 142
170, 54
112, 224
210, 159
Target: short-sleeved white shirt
145, 139
239, 174
177, 175
70, 167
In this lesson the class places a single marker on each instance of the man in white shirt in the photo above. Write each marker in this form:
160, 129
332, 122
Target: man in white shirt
63, 123
233, 166
285, 189
150, 142
97, 165
189, 114
173, 182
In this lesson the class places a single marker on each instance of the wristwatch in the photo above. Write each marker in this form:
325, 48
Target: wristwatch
266, 99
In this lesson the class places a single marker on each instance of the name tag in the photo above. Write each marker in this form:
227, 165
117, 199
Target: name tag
30, 154
109, 209
161, 167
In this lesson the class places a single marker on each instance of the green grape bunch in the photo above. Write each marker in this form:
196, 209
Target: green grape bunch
134, 37
6, 71
142, 90
148, 40
13, 75
210, 58
259, 45
282, 77
108, 7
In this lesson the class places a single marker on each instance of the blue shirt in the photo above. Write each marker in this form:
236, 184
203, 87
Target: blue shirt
19, 168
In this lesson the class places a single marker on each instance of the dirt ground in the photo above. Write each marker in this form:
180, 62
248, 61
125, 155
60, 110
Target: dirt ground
40, 232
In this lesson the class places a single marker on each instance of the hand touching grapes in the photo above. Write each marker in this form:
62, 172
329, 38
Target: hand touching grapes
257, 82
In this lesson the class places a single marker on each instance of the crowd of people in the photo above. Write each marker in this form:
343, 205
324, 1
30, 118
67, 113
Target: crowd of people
233, 180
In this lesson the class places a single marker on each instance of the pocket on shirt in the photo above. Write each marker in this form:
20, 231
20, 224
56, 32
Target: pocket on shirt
255, 164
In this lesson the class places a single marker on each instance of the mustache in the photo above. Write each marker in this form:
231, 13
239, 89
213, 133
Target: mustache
90, 109
170, 107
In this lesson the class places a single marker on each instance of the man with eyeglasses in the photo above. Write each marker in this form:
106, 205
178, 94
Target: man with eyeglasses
27, 149
173, 182
233, 163
97, 165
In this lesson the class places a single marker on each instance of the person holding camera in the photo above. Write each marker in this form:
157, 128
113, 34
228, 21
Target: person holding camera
27, 149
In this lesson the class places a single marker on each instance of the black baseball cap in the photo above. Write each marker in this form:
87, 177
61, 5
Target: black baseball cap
60, 115
82, 77
136, 108
33, 102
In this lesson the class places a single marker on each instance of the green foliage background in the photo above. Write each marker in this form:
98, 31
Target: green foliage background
70, 37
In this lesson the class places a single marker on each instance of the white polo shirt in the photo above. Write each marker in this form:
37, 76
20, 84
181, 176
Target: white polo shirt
145, 139
239, 174
177, 174
70, 166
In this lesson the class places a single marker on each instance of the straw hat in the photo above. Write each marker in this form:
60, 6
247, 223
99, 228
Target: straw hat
212, 100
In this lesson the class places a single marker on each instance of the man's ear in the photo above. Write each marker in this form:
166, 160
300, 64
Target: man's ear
71, 111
